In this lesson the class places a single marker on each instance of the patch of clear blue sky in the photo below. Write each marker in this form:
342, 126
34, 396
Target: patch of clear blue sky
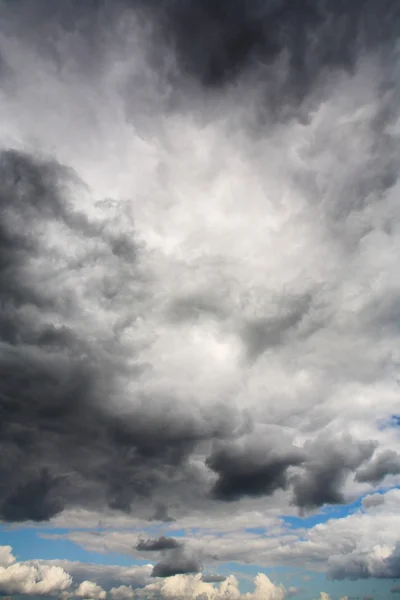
392, 421
331, 512
395, 420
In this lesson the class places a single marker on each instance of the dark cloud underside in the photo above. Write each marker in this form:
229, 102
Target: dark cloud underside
159, 544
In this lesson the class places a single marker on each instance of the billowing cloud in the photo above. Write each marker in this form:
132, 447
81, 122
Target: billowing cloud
106, 576
199, 296
89, 589
48, 578
192, 586
67, 579
385, 463
248, 470
328, 464
31, 579
6, 556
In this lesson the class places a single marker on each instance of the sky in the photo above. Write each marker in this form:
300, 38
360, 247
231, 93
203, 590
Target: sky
199, 299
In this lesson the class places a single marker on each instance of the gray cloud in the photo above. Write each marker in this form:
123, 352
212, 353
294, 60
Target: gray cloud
217, 41
373, 501
177, 562
260, 334
159, 544
248, 470
229, 258
327, 465
54, 381
364, 566
212, 578
383, 464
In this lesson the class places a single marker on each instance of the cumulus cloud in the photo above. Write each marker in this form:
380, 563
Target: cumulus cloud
385, 463
89, 589
6, 556
31, 579
329, 463
199, 241
193, 586
69, 579
50, 578
248, 470
382, 562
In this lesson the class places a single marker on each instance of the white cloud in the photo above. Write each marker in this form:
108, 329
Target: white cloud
66, 579
6, 556
49, 578
31, 579
108, 576
190, 587
89, 589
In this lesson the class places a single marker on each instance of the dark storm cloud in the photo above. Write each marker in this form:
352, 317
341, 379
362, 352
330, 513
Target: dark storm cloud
315, 473
245, 470
159, 544
328, 463
177, 562
62, 442
60, 446
217, 40
383, 464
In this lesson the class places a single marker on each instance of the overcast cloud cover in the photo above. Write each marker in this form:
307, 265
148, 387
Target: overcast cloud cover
199, 292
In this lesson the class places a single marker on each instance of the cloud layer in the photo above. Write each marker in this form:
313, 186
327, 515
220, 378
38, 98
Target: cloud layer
47, 579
